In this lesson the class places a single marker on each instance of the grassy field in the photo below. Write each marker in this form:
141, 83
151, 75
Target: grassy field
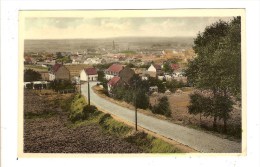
36, 68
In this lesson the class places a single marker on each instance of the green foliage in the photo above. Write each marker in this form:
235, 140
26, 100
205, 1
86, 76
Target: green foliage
102, 67
101, 76
159, 146
31, 75
130, 65
217, 106
142, 99
218, 64
89, 110
44, 114
167, 67
156, 82
58, 85
128, 52
173, 85
150, 144
76, 109
129, 94
223, 107
112, 126
163, 107
200, 104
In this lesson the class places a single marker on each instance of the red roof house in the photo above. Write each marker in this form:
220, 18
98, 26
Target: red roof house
113, 82
175, 66
113, 70
90, 71
89, 74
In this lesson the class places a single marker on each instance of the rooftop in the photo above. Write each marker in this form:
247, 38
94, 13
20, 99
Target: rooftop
90, 71
115, 68
113, 81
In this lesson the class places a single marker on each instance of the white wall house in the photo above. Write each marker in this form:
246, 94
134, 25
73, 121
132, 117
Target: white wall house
89, 73
151, 68
51, 77
113, 70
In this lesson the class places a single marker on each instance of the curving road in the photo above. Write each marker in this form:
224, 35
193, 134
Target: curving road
198, 140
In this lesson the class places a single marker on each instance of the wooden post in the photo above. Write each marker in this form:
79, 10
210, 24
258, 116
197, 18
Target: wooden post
88, 93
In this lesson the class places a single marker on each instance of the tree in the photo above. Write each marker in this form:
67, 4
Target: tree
101, 76
217, 66
142, 99
156, 82
223, 106
31, 75
163, 107
167, 67
201, 105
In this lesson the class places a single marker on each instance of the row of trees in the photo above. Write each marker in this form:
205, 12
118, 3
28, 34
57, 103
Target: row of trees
137, 93
217, 69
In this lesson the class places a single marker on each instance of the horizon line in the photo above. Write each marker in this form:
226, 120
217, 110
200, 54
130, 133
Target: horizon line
110, 37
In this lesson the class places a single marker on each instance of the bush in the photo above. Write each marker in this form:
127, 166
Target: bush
89, 110
174, 85
76, 108
112, 126
104, 118
163, 107
76, 116
58, 85
31, 75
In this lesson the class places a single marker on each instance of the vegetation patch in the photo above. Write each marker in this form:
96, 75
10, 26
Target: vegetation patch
45, 114
82, 115
114, 127
151, 144
76, 108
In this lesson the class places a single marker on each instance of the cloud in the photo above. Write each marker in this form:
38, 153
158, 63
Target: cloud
57, 28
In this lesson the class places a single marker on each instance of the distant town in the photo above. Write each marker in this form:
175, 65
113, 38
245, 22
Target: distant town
161, 60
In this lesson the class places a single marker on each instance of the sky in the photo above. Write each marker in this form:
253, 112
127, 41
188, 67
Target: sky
80, 27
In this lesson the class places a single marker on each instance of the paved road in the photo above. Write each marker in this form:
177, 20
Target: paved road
200, 141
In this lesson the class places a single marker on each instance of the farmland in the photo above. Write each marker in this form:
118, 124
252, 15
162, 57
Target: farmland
47, 129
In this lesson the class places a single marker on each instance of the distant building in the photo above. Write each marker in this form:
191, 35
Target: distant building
175, 67
113, 70
75, 70
45, 76
126, 74
154, 70
94, 61
89, 74
113, 82
60, 72
29, 60
123, 78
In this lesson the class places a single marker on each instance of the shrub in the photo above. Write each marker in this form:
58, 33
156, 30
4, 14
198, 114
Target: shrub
76, 116
76, 108
163, 107
89, 110
31, 75
104, 118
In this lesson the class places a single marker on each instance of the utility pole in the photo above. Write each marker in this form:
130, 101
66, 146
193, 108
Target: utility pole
79, 86
88, 93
